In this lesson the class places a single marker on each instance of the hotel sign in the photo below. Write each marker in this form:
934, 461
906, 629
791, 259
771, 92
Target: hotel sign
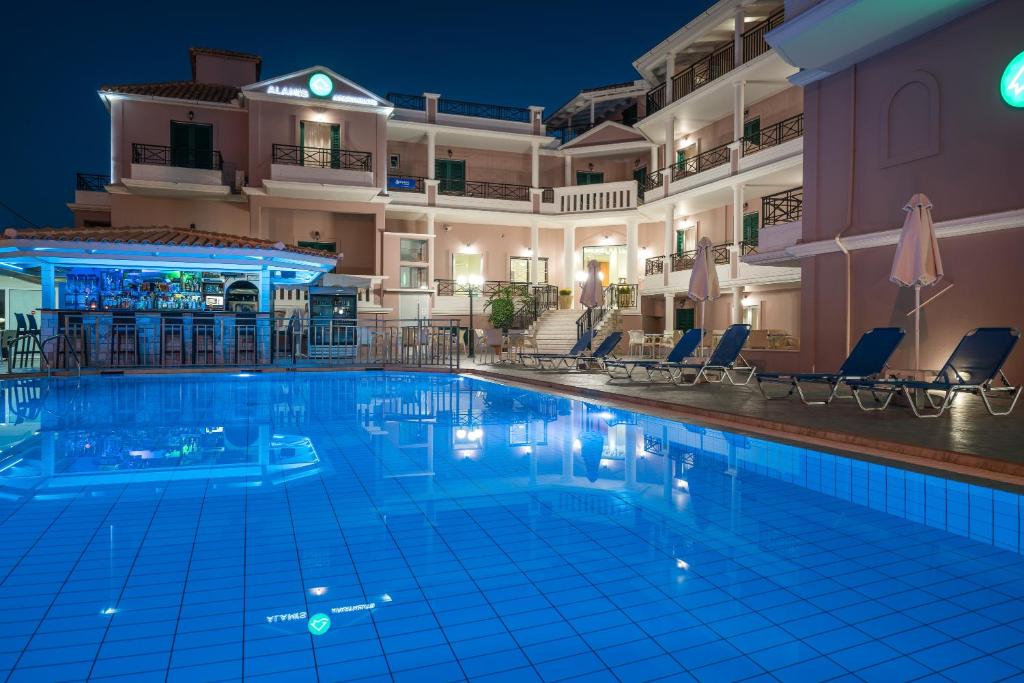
319, 86
1011, 85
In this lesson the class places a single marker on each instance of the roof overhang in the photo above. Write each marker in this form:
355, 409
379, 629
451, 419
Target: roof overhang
22, 254
354, 97
836, 34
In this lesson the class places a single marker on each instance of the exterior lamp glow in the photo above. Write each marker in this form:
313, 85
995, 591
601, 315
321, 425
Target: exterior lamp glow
1011, 85
581, 276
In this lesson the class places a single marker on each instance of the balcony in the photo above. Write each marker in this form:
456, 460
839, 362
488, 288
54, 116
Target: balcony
588, 198
566, 134
774, 135
499, 112
705, 161
406, 183
479, 189
721, 61
166, 164
91, 193
781, 226
91, 182
298, 163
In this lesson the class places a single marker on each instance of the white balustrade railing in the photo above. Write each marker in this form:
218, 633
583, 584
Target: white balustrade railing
599, 197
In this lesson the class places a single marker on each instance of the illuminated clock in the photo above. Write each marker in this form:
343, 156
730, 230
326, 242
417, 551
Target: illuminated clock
321, 84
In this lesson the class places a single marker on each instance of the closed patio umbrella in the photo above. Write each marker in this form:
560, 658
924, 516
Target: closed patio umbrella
591, 296
703, 280
917, 262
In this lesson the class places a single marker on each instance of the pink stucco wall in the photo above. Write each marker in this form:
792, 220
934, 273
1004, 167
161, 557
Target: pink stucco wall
921, 117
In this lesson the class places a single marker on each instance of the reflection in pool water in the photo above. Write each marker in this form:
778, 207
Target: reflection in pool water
453, 528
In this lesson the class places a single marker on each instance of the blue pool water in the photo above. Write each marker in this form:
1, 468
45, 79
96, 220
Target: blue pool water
313, 526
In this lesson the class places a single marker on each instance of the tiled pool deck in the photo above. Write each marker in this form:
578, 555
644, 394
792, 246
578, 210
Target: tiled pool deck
967, 440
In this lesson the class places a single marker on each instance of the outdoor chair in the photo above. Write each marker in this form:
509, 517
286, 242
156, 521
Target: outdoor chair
975, 364
724, 362
683, 349
867, 360
604, 352
636, 342
554, 360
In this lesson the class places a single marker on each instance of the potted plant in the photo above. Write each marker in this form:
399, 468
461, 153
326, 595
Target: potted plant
564, 298
625, 296
502, 308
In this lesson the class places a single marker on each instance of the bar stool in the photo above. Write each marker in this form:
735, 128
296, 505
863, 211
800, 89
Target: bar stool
172, 339
124, 340
203, 340
245, 339
72, 326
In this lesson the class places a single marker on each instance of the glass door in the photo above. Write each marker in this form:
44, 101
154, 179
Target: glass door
452, 175
520, 266
191, 145
611, 262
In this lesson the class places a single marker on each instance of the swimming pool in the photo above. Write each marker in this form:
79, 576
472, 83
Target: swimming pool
388, 526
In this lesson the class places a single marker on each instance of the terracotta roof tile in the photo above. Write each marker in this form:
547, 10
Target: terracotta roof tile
159, 235
178, 90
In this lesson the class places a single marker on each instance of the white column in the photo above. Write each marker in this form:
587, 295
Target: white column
535, 166
632, 248
266, 291
654, 159
47, 284
738, 36
737, 299
116, 114
738, 107
670, 142
668, 243
430, 250
568, 170
670, 312
431, 144
592, 112
569, 259
737, 216
670, 71
535, 251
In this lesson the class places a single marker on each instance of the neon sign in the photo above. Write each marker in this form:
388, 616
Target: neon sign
1011, 85
320, 84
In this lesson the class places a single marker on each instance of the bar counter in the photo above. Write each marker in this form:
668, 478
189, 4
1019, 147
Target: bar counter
156, 338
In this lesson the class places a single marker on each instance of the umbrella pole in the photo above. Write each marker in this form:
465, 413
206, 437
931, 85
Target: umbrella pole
917, 328
702, 326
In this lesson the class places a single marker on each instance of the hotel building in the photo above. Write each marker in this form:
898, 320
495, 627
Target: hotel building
713, 139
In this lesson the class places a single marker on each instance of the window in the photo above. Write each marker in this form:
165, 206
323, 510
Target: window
322, 246
320, 144
191, 145
519, 269
413, 250
680, 158
752, 316
750, 228
466, 265
589, 177
413, 277
452, 176
394, 160
752, 131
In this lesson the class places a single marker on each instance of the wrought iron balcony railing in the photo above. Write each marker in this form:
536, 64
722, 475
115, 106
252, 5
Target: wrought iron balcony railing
652, 180
181, 157
487, 111
782, 207
655, 99
415, 102
484, 190
449, 287
775, 134
704, 161
655, 265
321, 157
702, 72
754, 44
684, 260
548, 195
569, 133
91, 182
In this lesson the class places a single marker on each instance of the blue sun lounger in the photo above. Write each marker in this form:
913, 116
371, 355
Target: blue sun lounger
866, 361
724, 361
684, 348
594, 360
975, 364
556, 359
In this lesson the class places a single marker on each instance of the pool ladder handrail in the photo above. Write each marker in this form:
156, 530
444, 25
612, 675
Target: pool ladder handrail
67, 347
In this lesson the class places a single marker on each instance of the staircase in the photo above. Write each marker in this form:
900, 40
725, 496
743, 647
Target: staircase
556, 330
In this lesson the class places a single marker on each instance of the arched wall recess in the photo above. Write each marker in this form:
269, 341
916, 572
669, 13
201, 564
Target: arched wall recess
911, 120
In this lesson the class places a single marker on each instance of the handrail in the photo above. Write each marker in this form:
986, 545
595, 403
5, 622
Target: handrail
614, 296
782, 207
406, 183
67, 346
777, 133
654, 265
684, 260
482, 189
754, 44
570, 132
321, 157
181, 157
501, 112
401, 101
705, 161
91, 182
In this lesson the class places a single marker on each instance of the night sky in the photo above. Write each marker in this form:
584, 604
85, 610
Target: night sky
519, 53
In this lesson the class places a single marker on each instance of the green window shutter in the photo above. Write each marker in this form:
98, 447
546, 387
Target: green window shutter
180, 143
684, 319
302, 143
752, 130
335, 146
750, 225
452, 174
202, 145
680, 157
680, 241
